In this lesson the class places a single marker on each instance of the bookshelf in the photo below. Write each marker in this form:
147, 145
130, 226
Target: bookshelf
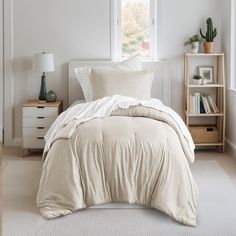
207, 129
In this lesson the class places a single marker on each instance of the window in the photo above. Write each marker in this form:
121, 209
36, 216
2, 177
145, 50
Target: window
134, 28
233, 23
233, 45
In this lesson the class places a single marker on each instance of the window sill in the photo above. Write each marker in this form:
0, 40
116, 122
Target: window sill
232, 90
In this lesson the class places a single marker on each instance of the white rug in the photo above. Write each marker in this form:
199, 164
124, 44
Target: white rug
216, 211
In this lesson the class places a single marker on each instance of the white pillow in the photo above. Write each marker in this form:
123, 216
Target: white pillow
135, 84
131, 64
82, 74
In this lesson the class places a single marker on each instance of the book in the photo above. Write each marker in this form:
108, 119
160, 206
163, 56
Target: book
206, 105
197, 102
213, 105
202, 109
192, 104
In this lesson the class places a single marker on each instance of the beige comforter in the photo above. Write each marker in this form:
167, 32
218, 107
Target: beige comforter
136, 155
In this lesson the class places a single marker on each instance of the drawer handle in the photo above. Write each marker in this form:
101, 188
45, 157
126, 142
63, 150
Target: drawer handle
209, 129
40, 137
40, 107
40, 127
40, 117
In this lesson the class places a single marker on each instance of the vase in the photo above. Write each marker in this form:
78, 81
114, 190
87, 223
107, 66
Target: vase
194, 47
51, 96
198, 81
204, 81
208, 47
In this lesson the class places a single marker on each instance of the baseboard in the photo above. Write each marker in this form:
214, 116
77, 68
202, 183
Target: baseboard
231, 147
17, 142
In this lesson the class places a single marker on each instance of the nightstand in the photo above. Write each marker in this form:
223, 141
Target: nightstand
37, 119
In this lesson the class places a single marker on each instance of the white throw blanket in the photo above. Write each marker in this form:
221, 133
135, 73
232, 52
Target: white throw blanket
104, 107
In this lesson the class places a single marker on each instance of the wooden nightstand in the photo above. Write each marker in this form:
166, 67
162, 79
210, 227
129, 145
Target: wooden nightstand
37, 119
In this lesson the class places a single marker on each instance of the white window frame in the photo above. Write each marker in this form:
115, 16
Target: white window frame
233, 46
116, 30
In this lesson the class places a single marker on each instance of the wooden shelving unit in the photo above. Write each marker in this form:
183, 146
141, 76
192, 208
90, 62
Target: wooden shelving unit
217, 88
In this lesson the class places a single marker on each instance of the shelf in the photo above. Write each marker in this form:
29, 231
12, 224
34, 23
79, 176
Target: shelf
216, 90
205, 86
204, 114
204, 54
209, 144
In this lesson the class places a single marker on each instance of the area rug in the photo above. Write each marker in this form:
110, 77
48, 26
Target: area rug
216, 210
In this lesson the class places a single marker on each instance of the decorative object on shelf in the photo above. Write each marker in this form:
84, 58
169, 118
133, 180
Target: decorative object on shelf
209, 37
51, 96
204, 81
206, 72
193, 43
204, 133
43, 62
197, 79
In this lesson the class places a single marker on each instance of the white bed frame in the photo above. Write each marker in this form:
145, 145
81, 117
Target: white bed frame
160, 87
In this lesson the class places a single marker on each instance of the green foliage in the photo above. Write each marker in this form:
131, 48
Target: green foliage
197, 77
210, 34
193, 39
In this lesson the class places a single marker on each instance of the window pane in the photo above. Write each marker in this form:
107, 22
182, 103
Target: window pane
135, 28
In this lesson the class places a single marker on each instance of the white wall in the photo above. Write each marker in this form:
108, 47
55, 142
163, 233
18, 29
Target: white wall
231, 94
80, 29
179, 20
1, 69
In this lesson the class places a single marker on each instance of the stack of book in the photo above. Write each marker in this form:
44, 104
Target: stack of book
200, 103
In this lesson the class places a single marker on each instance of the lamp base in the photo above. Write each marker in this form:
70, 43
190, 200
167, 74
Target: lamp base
42, 101
43, 90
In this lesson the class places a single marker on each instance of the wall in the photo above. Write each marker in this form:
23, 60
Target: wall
178, 20
1, 69
231, 93
80, 29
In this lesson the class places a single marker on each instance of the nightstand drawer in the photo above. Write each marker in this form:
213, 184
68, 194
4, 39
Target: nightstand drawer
40, 111
33, 143
37, 122
35, 132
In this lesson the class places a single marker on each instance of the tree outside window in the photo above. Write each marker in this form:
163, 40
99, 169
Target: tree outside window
135, 28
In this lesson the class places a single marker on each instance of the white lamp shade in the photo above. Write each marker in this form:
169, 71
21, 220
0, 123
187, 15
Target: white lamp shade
43, 62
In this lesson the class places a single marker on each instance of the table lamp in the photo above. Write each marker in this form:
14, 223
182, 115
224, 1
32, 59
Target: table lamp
43, 62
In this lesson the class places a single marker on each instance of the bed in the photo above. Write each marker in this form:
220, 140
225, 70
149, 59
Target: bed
119, 149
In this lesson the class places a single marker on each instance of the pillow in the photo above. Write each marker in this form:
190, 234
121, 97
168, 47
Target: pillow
82, 74
131, 64
135, 84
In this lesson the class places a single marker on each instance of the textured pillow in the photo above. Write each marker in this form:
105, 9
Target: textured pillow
82, 74
135, 84
131, 64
